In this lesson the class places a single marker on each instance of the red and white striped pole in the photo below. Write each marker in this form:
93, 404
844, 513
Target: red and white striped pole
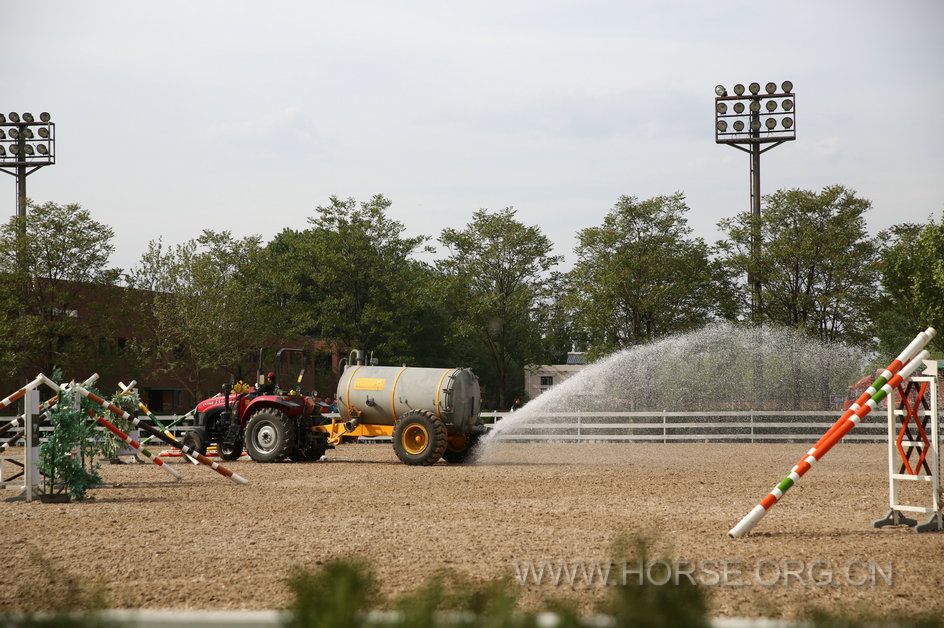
173, 442
108, 425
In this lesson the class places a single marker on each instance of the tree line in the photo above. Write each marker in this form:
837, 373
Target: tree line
494, 298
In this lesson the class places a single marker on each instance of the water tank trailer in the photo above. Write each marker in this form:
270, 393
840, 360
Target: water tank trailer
430, 413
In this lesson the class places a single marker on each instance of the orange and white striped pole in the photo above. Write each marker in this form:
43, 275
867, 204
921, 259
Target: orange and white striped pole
750, 519
13, 398
46, 405
919, 342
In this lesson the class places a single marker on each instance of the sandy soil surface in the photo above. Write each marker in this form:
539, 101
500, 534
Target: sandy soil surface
208, 543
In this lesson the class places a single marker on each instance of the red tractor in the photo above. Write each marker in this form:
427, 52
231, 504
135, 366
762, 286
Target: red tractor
273, 423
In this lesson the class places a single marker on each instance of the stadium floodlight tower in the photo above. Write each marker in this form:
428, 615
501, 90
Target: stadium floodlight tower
755, 122
26, 145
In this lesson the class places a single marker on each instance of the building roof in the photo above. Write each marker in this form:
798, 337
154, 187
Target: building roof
576, 357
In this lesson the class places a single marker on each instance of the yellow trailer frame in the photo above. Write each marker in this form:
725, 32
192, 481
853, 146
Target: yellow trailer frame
338, 430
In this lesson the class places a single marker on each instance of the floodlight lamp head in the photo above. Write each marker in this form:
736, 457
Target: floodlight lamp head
44, 116
787, 87
29, 149
28, 133
787, 105
770, 88
3, 135
755, 125
3, 152
721, 107
720, 91
771, 105
14, 134
44, 132
3, 119
722, 126
27, 117
755, 106
14, 117
754, 88
738, 107
771, 123
739, 89
41, 149
787, 123
739, 125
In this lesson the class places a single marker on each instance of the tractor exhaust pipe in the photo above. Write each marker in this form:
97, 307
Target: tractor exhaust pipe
226, 389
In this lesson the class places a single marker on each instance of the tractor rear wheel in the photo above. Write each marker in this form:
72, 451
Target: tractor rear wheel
419, 438
270, 436
461, 448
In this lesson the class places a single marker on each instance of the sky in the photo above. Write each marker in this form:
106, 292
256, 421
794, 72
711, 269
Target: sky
176, 116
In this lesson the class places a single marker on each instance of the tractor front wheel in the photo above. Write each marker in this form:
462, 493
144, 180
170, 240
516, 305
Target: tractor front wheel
229, 452
312, 453
270, 436
194, 439
419, 438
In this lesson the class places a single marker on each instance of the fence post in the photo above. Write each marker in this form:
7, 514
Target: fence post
665, 438
578, 424
752, 426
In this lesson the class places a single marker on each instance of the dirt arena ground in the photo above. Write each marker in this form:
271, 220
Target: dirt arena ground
208, 543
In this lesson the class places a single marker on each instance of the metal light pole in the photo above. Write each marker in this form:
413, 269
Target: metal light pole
26, 145
742, 129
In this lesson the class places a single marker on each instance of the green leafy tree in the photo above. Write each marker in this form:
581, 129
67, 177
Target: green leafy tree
67, 456
44, 318
557, 320
818, 262
206, 313
351, 279
642, 275
498, 281
912, 263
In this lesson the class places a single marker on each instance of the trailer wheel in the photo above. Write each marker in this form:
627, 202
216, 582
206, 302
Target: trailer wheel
419, 438
270, 436
460, 448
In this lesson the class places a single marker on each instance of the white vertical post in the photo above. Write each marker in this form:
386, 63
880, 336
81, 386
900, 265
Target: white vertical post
31, 449
578, 424
665, 428
892, 425
935, 454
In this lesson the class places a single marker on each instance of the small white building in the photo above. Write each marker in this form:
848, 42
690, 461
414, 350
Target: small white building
540, 377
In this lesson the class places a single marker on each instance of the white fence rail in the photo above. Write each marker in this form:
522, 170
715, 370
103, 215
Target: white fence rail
755, 426
758, 426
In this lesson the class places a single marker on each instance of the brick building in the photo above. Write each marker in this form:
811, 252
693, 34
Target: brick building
111, 317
